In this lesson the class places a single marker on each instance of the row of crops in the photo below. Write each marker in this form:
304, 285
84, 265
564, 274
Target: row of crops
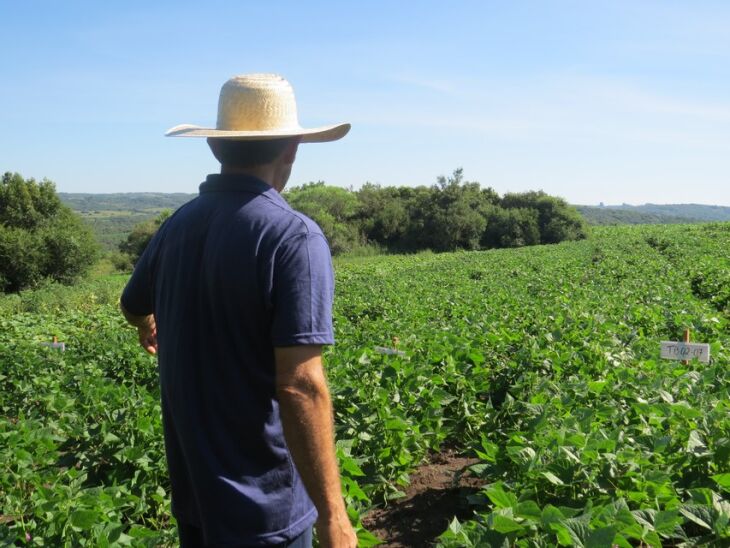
542, 362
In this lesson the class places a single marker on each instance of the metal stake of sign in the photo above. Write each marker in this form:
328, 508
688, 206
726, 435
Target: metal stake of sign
686, 339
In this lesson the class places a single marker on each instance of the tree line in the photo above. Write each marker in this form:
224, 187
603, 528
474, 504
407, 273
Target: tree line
452, 214
40, 238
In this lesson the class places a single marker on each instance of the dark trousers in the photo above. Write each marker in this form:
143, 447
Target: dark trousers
192, 537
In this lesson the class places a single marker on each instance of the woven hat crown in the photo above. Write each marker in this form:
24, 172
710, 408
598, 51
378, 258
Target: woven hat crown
257, 107
257, 102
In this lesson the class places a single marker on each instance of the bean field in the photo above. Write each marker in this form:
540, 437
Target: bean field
541, 363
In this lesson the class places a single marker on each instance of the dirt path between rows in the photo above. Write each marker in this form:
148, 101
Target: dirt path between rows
436, 494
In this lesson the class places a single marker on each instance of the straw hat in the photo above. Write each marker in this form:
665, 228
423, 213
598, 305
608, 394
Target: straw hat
258, 107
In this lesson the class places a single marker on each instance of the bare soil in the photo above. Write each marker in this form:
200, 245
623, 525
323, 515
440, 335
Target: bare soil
437, 493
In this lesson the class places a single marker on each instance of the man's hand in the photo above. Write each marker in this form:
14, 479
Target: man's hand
148, 334
336, 532
306, 415
146, 329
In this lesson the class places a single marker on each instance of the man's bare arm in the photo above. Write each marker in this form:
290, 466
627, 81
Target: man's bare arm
146, 329
306, 415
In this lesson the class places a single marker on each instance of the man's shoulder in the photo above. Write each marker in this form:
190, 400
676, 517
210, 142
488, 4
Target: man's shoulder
290, 221
269, 218
302, 224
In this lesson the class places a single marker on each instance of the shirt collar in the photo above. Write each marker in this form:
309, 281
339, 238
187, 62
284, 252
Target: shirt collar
233, 182
236, 182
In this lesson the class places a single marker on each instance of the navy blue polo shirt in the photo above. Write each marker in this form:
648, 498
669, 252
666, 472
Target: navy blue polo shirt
231, 275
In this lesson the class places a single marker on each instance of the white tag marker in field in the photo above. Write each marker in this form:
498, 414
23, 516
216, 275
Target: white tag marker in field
685, 351
55, 344
389, 351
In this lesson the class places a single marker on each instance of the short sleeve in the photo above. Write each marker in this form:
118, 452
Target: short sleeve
303, 291
138, 295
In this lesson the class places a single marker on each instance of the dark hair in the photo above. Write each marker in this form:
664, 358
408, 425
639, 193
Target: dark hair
234, 153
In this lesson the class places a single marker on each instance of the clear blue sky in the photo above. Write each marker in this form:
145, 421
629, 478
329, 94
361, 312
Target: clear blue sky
621, 101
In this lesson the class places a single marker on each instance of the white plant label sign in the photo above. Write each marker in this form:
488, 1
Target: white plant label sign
685, 351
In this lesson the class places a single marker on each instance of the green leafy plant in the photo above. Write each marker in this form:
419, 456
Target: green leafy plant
542, 362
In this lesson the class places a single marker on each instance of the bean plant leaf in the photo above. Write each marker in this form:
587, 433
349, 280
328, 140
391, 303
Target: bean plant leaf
365, 539
551, 514
499, 497
695, 443
552, 478
665, 522
528, 510
723, 480
84, 519
701, 515
505, 524
601, 538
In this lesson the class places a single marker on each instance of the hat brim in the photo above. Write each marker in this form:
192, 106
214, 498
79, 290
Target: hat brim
322, 134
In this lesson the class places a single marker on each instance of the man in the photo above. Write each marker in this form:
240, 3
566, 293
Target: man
234, 295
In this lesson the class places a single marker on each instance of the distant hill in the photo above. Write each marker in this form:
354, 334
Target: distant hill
653, 214
112, 216
127, 201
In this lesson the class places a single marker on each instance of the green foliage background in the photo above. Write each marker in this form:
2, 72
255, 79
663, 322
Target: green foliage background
113, 216
136, 241
541, 361
452, 214
40, 238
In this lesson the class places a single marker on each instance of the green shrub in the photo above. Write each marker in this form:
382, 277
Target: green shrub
137, 241
40, 238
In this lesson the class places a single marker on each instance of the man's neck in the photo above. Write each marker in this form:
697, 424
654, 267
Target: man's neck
267, 172
275, 174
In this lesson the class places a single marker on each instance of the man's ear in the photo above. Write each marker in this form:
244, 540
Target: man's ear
213, 144
290, 152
